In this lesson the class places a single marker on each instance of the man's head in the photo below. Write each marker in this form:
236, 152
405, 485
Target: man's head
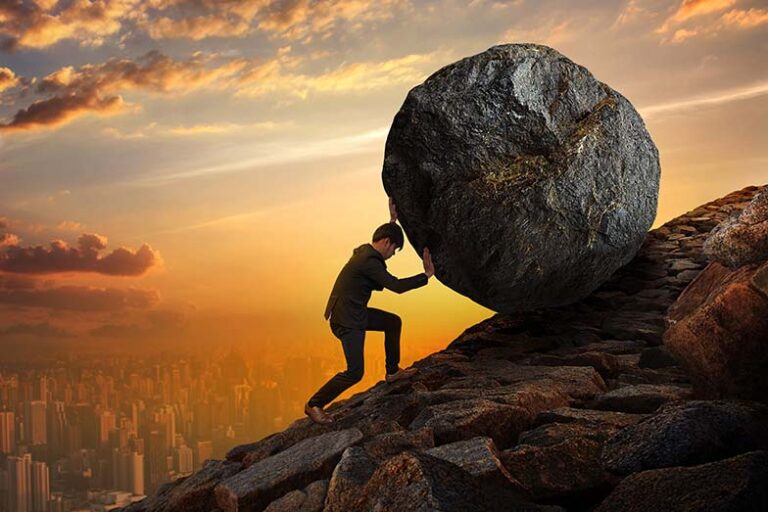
387, 238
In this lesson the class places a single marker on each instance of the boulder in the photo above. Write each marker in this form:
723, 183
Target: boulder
413, 481
741, 239
350, 475
685, 434
639, 398
550, 173
718, 331
309, 499
478, 457
560, 461
266, 480
736, 484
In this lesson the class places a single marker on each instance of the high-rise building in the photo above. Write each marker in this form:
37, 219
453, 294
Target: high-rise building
19, 483
41, 489
36, 420
7, 432
137, 473
107, 424
183, 460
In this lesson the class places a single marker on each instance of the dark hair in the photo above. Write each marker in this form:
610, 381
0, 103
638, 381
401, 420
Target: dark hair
392, 231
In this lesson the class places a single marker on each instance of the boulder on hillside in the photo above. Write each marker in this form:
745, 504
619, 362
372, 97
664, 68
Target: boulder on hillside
689, 433
550, 173
743, 238
736, 484
718, 330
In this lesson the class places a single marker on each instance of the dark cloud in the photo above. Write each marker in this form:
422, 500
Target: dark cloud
79, 298
39, 330
96, 88
59, 257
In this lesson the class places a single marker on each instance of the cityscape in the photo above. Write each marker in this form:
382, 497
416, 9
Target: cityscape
97, 434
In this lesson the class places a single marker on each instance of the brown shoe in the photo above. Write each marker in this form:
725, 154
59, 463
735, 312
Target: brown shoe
317, 414
400, 374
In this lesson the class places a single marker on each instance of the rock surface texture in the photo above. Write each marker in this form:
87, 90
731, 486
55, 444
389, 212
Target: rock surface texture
530, 181
718, 326
545, 410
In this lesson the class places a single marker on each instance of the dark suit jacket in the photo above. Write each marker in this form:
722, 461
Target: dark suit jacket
365, 271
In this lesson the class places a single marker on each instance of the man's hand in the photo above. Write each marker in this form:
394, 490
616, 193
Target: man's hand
392, 210
429, 268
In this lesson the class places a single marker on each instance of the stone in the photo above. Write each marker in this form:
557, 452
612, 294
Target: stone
560, 461
639, 398
686, 434
478, 457
304, 462
587, 416
741, 239
310, 499
193, 493
718, 331
349, 476
550, 173
464, 419
413, 481
736, 484
391, 443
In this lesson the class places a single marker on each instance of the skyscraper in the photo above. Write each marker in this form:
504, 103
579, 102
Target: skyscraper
19, 483
7, 432
37, 432
41, 490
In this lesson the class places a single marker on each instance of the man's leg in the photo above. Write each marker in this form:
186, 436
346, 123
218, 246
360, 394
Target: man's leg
391, 324
352, 343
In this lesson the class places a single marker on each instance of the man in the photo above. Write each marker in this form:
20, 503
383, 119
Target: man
350, 316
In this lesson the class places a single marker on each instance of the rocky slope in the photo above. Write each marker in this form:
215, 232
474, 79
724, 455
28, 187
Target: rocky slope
578, 407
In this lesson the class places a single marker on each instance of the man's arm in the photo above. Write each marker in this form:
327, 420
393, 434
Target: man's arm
376, 270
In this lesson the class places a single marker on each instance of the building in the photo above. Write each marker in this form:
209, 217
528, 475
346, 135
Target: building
7, 432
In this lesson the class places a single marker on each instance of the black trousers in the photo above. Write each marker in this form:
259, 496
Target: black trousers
352, 341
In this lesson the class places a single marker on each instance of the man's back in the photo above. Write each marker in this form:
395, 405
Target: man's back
365, 271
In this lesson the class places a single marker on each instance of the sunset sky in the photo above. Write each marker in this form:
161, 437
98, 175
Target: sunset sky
200, 170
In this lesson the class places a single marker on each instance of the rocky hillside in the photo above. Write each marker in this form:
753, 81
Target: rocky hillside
578, 407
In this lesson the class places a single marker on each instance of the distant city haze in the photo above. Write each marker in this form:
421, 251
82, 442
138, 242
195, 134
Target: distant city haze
181, 181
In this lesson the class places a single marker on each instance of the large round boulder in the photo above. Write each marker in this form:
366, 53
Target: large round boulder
530, 181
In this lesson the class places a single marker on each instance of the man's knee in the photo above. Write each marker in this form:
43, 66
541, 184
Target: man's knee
355, 375
395, 322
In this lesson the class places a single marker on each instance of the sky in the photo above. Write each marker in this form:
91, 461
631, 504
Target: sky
198, 171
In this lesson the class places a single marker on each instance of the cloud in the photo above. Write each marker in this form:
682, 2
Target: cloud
154, 129
7, 239
8, 79
697, 17
745, 19
292, 20
720, 97
96, 88
39, 24
79, 298
368, 141
59, 257
302, 19
38, 330
693, 8
275, 75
